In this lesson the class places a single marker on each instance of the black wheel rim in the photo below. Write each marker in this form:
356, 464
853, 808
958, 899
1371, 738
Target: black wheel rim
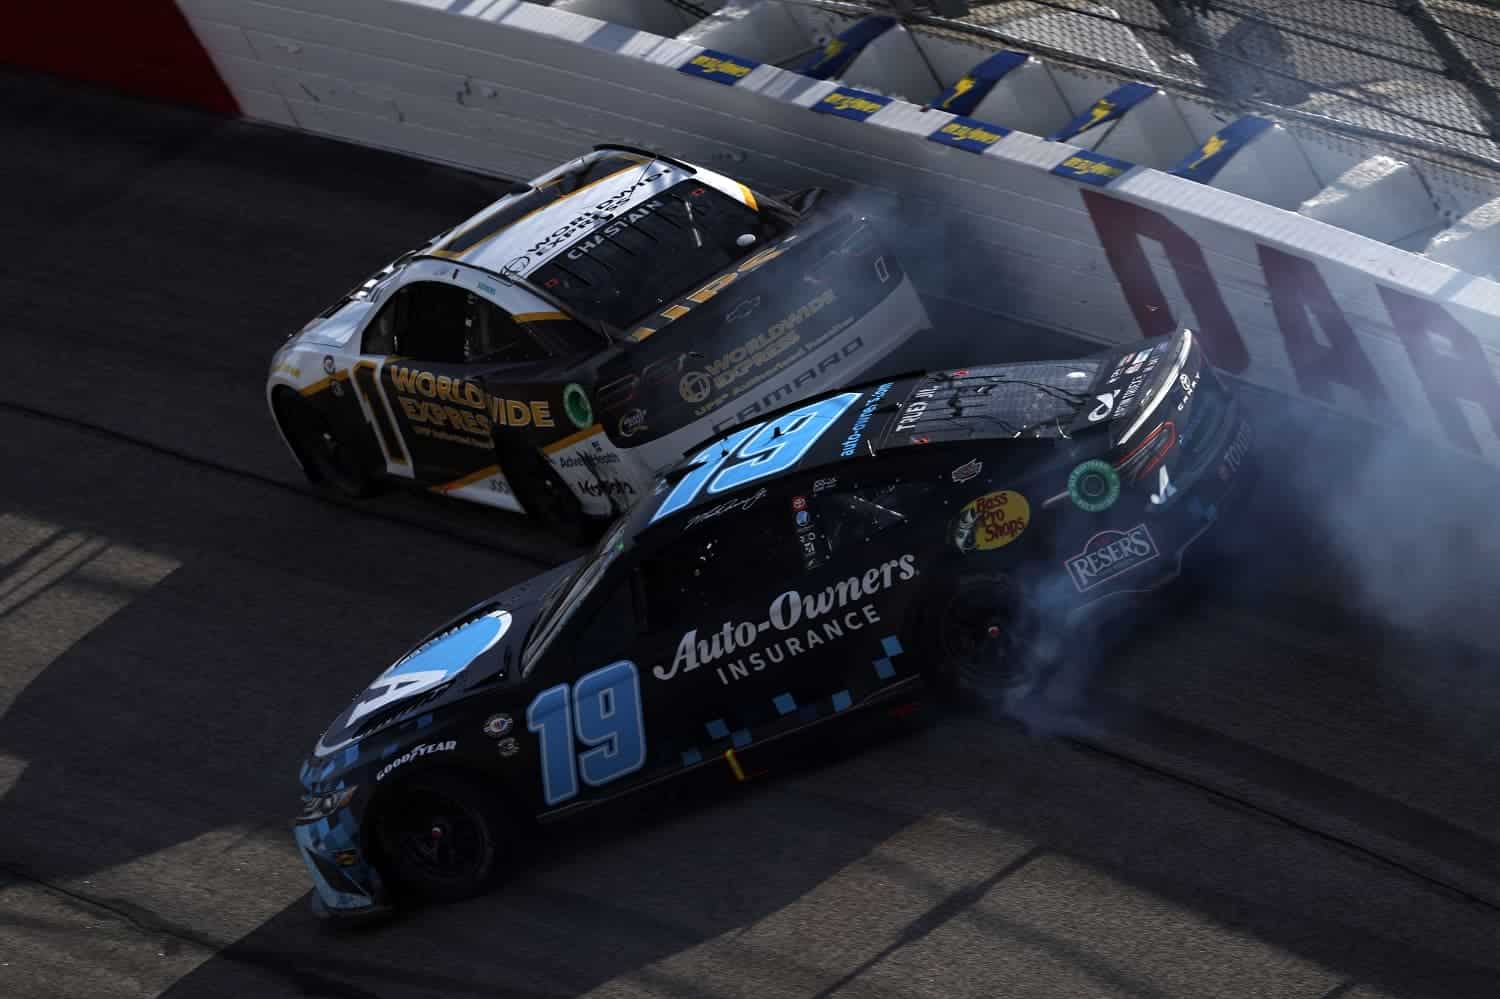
981, 632
438, 838
334, 462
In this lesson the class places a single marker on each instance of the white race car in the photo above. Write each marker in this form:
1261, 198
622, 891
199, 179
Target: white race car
552, 353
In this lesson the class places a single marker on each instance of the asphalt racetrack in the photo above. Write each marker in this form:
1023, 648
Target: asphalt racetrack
1278, 782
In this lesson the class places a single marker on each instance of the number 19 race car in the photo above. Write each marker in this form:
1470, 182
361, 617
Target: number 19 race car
925, 531
553, 352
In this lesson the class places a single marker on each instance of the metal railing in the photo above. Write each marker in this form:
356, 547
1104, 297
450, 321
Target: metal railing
1415, 74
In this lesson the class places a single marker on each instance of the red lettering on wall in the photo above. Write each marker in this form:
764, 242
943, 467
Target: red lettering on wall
1121, 227
1448, 361
1297, 292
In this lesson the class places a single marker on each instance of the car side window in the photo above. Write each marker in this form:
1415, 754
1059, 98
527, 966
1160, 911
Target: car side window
611, 624
855, 516
716, 563
425, 321
492, 334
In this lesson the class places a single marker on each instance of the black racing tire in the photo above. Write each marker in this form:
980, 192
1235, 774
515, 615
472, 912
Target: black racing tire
546, 497
982, 637
442, 837
327, 460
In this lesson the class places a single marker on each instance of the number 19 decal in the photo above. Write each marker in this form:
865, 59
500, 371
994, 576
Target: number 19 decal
602, 711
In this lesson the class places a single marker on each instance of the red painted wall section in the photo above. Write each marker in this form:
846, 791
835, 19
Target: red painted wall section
142, 47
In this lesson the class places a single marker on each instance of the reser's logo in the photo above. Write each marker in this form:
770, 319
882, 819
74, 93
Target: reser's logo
1109, 554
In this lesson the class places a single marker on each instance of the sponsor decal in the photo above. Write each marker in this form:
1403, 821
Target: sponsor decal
801, 518
862, 419
967, 471
1110, 554
608, 487
288, 369
454, 409
742, 309
846, 102
346, 858
589, 460
1164, 488
694, 387
915, 407
328, 364
508, 747
1234, 455
761, 349
1188, 385
597, 238
576, 405
794, 623
633, 422
599, 213
721, 67
741, 503
1091, 168
823, 485
498, 726
799, 503
489, 288
1104, 408
992, 521
338, 390
415, 753
498, 484
969, 134
788, 389
1093, 486
430, 665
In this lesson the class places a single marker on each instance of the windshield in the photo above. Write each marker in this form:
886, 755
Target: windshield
654, 253
565, 598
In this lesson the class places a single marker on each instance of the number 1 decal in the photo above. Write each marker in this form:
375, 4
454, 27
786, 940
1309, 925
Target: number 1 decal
602, 711
756, 452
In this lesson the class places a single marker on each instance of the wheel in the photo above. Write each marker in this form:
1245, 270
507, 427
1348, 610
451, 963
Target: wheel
442, 838
327, 460
983, 634
546, 497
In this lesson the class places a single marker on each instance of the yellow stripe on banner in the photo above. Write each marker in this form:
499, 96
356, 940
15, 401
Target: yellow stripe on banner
749, 198
734, 764
572, 439
323, 383
538, 317
467, 480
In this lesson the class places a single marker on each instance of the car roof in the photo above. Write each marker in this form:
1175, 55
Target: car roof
526, 228
882, 418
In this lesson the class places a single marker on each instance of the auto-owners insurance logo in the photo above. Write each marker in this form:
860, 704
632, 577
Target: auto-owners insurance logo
795, 623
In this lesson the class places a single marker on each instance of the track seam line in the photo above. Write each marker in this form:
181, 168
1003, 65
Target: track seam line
1267, 812
287, 487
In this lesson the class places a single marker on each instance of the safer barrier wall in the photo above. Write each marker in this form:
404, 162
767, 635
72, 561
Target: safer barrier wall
1039, 230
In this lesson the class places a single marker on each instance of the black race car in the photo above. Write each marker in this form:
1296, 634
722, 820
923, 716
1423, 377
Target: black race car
920, 532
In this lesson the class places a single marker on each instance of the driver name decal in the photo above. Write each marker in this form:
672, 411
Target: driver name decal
795, 623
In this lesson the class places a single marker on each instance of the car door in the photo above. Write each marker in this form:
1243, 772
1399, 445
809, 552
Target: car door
745, 643
424, 348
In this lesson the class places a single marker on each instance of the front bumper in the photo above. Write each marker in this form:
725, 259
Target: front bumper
345, 883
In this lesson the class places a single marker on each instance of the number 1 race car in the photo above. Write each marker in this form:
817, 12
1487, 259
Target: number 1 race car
552, 353
924, 531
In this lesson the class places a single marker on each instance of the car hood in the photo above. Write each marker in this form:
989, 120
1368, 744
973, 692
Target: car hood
472, 647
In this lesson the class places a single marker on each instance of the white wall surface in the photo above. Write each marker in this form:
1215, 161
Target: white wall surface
511, 88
